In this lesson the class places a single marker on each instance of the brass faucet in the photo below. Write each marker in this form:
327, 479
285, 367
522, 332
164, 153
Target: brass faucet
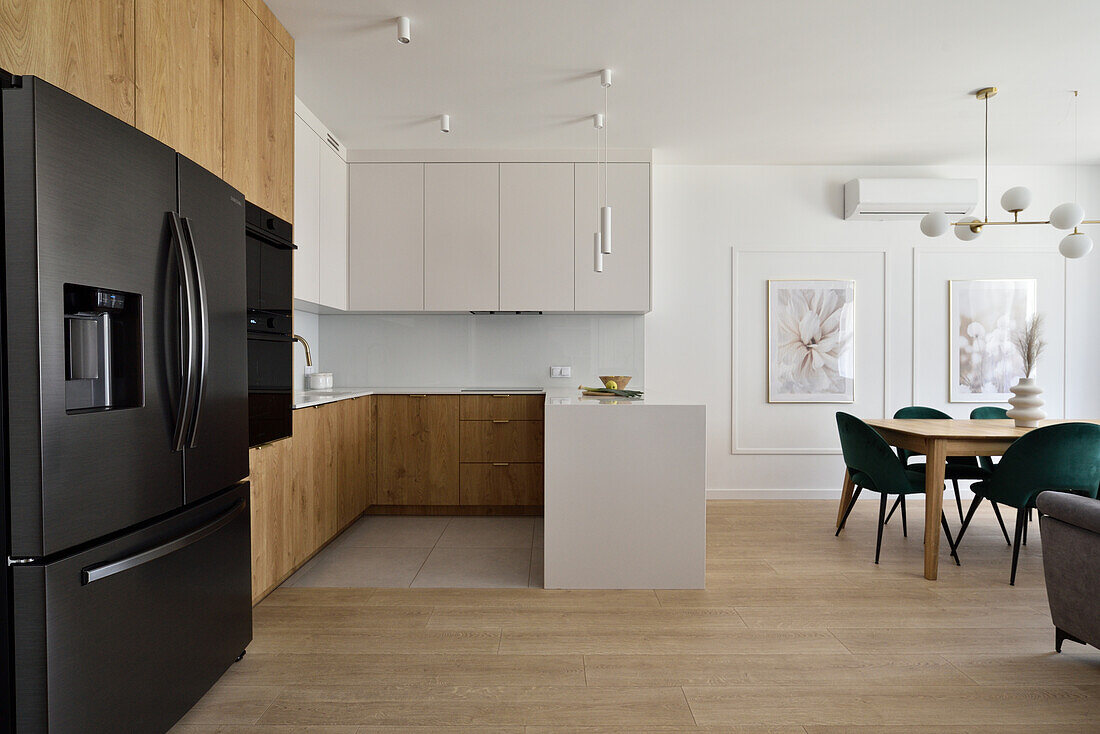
309, 359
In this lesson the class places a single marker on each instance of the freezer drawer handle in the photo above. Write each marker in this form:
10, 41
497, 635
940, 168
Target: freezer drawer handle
103, 570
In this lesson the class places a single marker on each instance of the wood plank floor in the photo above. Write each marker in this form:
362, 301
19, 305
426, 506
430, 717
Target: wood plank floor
797, 631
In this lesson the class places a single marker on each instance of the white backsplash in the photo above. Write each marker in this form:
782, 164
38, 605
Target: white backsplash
489, 350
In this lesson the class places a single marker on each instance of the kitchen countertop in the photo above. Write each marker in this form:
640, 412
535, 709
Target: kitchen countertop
311, 398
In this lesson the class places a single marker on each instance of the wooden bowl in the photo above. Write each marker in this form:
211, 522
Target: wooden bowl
620, 380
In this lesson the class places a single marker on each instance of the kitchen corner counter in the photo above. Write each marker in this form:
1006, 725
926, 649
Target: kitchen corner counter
625, 494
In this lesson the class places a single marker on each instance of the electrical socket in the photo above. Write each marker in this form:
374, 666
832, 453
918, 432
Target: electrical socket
561, 371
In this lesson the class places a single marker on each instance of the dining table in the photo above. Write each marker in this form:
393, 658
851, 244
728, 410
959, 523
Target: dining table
936, 439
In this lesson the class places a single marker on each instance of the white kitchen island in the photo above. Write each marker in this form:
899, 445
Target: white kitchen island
625, 494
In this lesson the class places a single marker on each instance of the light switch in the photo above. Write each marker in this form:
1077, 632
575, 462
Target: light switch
561, 371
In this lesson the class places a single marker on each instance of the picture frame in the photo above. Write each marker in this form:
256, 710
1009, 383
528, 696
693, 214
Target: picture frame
811, 341
983, 315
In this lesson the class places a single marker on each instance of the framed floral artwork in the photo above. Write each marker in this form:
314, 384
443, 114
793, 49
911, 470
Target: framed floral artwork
811, 328
983, 316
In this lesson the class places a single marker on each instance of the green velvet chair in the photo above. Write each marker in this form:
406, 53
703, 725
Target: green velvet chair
985, 413
957, 468
1064, 457
873, 465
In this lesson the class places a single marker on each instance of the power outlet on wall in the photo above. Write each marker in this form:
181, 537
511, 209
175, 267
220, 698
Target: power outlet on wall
557, 371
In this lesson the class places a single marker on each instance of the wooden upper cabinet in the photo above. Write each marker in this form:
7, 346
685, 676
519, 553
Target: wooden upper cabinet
418, 447
461, 237
85, 47
536, 236
178, 74
624, 284
386, 237
258, 123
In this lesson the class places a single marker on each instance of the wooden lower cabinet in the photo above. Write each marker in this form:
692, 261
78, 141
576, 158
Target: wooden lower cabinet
306, 489
418, 449
501, 484
502, 440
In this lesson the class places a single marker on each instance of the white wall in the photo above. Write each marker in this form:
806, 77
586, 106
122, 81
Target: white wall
488, 350
719, 232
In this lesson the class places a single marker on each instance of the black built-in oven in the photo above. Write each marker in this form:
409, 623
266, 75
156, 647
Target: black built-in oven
270, 253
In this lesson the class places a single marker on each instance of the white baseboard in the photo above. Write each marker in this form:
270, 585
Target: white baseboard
804, 494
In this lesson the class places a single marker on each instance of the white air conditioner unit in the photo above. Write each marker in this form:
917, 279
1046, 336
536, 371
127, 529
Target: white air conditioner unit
908, 198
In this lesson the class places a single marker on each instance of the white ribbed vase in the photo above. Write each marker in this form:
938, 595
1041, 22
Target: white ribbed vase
1026, 403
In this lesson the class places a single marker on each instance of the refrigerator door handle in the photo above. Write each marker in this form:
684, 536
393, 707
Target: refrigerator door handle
187, 334
203, 324
105, 570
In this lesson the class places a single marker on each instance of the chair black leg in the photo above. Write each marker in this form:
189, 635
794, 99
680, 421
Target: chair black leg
1001, 522
969, 516
881, 523
1060, 636
1021, 524
951, 544
848, 510
904, 521
958, 498
1027, 524
892, 508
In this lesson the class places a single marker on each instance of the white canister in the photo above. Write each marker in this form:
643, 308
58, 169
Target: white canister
319, 381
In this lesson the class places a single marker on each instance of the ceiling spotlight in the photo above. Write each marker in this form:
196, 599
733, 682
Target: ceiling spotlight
444, 123
605, 78
403, 34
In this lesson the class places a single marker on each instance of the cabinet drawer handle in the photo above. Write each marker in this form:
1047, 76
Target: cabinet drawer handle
498, 420
418, 396
500, 463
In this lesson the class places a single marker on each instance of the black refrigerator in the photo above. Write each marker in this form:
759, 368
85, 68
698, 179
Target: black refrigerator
125, 519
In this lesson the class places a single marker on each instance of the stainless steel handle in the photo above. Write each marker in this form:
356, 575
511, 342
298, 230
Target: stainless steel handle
103, 570
500, 463
501, 396
417, 396
498, 420
187, 333
203, 324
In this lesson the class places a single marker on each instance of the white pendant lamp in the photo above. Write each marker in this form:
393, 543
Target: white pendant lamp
1018, 198
444, 123
605, 210
1067, 216
933, 224
403, 30
1075, 245
597, 238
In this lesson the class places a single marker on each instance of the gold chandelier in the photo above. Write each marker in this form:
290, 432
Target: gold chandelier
1064, 216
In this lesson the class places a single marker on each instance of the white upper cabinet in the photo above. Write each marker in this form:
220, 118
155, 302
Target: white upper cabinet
536, 236
333, 241
461, 236
320, 214
624, 284
386, 237
307, 215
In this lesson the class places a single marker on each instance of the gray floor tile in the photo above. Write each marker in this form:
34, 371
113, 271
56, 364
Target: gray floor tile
488, 532
485, 568
394, 531
540, 533
358, 567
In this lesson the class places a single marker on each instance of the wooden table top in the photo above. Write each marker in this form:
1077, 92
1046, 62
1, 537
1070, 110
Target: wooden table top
960, 429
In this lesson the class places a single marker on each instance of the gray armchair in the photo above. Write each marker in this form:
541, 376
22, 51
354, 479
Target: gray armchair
1070, 525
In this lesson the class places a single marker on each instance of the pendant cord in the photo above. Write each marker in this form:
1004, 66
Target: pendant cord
987, 158
1075, 160
605, 146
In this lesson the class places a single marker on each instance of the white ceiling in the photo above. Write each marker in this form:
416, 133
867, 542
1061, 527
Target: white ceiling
709, 81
